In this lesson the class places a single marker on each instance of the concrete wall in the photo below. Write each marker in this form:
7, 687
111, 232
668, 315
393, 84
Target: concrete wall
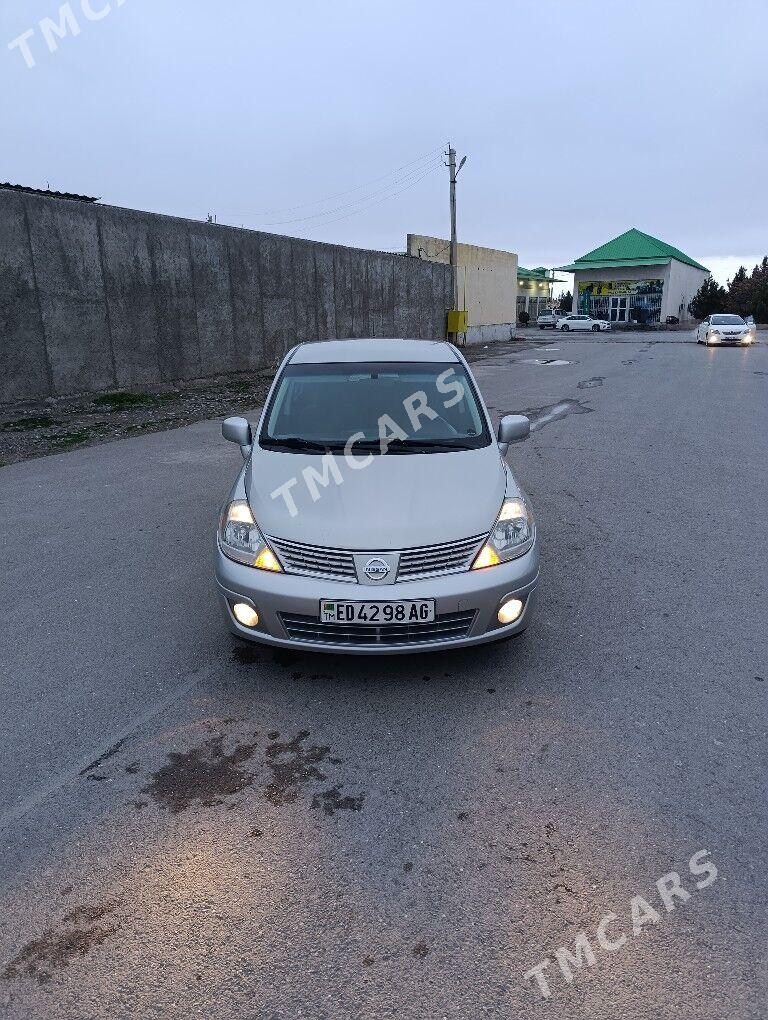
95, 297
681, 286
487, 281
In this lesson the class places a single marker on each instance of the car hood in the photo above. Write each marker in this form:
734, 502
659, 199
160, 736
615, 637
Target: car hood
397, 501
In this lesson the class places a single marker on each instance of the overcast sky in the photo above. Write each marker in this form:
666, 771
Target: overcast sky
580, 118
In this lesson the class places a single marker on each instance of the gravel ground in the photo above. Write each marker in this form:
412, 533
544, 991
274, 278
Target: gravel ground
37, 429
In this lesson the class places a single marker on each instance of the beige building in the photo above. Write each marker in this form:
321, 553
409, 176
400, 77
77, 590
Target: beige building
487, 281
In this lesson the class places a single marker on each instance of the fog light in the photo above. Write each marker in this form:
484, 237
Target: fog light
245, 614
510, 611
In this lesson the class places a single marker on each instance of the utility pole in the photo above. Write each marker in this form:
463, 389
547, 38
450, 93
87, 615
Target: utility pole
453, 171
454, 242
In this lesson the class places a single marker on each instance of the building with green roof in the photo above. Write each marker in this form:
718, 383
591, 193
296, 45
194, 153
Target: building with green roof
635, 278
534, 290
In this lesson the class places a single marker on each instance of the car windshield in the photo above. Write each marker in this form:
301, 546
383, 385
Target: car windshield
728, 320
383, 407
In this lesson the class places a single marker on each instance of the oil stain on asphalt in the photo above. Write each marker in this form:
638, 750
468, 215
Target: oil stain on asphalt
203, 775
331, 801
588, 384
78, 933
209, 774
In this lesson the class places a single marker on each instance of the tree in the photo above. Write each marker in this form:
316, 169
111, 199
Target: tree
748, 292
710, 297
739, 293
565, 302
758, 293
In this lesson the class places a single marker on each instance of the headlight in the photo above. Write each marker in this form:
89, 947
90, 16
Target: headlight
511, 535
241, 540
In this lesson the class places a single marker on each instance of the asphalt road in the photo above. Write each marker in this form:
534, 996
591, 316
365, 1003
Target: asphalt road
190, 829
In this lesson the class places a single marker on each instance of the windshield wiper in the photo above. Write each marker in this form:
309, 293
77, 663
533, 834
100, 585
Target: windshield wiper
297, 443
415, 445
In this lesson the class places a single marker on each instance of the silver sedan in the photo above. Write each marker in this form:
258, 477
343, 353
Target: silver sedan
375, 511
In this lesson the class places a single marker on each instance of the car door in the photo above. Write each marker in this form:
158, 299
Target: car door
585, 322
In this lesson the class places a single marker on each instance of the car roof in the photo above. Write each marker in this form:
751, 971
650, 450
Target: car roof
334, 351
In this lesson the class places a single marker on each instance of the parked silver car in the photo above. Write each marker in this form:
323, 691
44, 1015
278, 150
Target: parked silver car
375, 511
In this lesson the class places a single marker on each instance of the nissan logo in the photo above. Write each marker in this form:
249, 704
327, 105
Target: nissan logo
376, 569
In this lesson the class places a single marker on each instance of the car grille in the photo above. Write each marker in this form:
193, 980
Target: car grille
339, 564
445, 627
437, 559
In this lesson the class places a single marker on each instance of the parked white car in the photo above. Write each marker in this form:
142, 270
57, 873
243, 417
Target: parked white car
578, 321
548, 319
721, 328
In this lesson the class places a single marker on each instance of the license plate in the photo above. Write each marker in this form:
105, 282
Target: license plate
377, 613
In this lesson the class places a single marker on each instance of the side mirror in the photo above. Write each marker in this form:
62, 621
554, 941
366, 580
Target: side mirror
238, 430
513, 428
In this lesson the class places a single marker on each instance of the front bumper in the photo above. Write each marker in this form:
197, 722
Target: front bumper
475, 591
734, 341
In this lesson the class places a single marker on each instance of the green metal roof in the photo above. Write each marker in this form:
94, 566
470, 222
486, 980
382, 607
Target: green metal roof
539, 273
632, 248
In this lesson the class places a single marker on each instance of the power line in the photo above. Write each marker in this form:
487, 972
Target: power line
355, 202
378, 201
328, 198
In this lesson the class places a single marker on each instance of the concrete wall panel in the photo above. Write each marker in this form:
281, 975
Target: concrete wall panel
213, 300
388, 296
277, 290
326, 307
361, 325
442, 299
305, 292
174, 295
406, 319
247, 317
374, 295
127, 272
342, 292
24, 370
66, 254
